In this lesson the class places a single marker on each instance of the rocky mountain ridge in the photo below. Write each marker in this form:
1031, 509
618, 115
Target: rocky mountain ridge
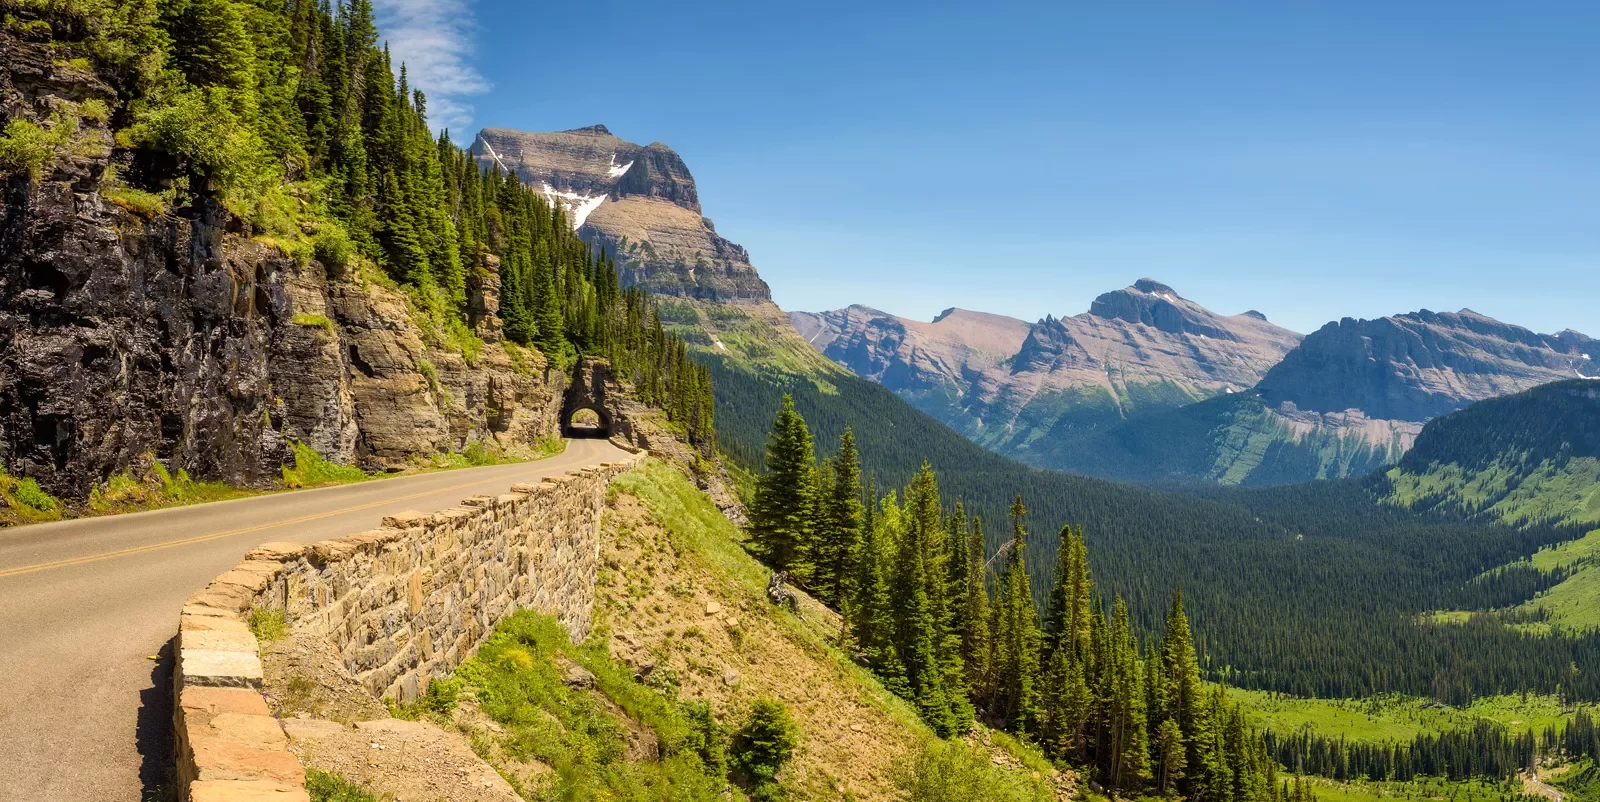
640, 203
1009, 384
1134, 389
1416, 366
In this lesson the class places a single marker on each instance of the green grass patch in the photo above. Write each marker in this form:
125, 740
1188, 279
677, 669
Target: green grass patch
145, 205
1394, 717
156, 488
1422, 788
517, 678
268, 625
951, 771
26, 502
327, 787
313, 321
311, 469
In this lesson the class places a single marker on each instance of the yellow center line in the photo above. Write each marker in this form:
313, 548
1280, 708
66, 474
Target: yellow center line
28, 569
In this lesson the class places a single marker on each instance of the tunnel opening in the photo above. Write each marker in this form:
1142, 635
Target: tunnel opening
586, 422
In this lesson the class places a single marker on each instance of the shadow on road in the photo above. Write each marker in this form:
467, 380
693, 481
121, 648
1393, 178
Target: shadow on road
153, 732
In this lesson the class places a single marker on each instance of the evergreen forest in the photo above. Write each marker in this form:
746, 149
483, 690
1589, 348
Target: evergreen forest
1318, 590
945, 613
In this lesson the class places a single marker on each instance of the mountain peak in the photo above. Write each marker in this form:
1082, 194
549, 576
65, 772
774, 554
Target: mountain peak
1153, 287
1151, 303
1257, 315
638, 203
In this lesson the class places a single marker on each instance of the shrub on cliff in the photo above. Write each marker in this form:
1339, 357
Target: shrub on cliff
761, 747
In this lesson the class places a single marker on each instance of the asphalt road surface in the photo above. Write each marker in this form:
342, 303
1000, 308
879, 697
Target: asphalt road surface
85, 713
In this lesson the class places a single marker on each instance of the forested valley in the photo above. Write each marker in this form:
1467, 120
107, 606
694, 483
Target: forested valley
1319, 589
953, 625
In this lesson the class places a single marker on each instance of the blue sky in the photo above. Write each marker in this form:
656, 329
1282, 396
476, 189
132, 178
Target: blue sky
1310, 160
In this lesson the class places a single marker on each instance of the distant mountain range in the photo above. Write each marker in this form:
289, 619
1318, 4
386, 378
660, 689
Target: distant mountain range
1145, 386
1148, 386
1019, 388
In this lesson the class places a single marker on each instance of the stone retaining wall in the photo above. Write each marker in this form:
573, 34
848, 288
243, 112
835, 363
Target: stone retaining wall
402, 603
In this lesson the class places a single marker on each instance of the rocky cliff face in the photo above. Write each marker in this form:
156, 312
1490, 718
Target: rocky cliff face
640, 203
1010, 385
1416, 366
182, 339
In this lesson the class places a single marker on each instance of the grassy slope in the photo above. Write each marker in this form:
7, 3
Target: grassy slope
1231, 440
1522, 459
1395, 717
1581, 782
1575, 603
679, 592
1517, 496
1414, 791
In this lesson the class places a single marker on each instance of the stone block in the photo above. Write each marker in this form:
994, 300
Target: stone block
218, 759
191, 623
207, 703
219, 640
276, 551
254, 731
452, 515
375, 536
224, 596
405, 520
331, 551
247, 791
205, 611
220, 669
254, 581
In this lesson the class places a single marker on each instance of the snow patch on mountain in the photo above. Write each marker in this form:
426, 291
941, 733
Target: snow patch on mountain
490, 148
579, 206
619, 170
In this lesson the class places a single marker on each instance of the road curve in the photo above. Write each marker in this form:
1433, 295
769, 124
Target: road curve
85, 714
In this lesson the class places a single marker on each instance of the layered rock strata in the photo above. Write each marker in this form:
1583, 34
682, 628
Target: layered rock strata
639, 203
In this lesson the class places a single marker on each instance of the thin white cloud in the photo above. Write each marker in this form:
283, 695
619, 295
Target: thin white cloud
433, 38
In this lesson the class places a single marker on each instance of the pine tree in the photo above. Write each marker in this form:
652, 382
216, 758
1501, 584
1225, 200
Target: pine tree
1016, 636
975, 642
874, 625
916, 613
840, 542
1126, 754
1170, 756
1186, 703
782, 516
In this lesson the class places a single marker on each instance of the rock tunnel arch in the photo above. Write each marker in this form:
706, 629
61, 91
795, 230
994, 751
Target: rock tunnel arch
584, 411
586, 422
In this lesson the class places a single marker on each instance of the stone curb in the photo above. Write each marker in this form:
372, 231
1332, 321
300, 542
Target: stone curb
230, 748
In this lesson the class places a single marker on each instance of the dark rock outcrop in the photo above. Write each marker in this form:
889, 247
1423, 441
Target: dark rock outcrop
180, 339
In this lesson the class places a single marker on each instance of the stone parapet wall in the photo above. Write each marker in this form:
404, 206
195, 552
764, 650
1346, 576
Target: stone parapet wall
403, 603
